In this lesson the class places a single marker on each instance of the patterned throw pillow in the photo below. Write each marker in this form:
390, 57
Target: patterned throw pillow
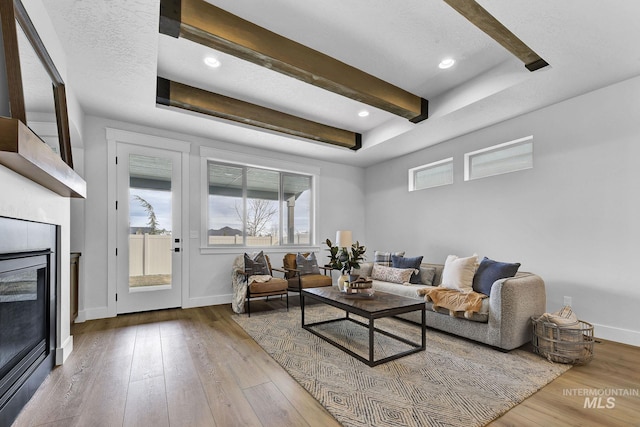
458, 273
390, 274
402, 262
257, 265
384, 258
308, 264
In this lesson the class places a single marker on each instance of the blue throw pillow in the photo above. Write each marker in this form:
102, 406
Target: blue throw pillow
489, 271
402, 262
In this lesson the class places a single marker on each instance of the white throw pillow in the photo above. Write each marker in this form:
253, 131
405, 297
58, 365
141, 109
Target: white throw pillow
458, 273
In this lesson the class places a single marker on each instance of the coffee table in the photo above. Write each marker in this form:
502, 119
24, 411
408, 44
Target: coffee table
380, 305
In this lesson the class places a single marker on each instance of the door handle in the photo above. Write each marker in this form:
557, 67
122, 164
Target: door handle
176, 250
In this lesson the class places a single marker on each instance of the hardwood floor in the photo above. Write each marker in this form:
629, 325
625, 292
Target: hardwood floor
197, 367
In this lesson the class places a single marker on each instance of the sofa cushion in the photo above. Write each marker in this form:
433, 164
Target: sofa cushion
390, 274
273, 285
309, 281
489, 271
413, 263
458, 272
307, 264
481, 317
384, 258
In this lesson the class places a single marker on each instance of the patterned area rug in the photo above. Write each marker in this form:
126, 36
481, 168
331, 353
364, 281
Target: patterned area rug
453, 383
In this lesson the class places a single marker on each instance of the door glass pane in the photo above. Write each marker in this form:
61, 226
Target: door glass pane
296, 208
263, 189
150, 221
226, 206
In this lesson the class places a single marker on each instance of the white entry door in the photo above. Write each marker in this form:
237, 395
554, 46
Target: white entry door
149, 237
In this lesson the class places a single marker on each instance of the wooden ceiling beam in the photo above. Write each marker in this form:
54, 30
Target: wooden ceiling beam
186, 97
204, 23
486, 22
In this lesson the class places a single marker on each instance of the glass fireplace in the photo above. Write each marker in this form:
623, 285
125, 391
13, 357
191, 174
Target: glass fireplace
27, 313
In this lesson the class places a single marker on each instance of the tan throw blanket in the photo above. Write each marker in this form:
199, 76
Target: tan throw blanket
454, 301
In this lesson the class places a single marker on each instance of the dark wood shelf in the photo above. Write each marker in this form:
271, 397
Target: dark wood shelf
23, 152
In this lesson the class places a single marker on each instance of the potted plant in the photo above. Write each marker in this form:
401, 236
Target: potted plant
345, 259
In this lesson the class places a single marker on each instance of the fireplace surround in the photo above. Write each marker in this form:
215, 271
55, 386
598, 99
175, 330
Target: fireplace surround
28, 281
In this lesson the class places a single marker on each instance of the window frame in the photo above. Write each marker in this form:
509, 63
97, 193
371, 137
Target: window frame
209, 154
415, 170
494, 148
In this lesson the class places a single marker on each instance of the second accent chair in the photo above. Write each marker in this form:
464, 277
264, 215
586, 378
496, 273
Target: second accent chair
302, 271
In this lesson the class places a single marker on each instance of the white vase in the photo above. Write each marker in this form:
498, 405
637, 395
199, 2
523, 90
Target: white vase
344, 278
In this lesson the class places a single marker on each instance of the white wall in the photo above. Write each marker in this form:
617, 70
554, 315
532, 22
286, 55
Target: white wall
572, 219
341, 206
45, 206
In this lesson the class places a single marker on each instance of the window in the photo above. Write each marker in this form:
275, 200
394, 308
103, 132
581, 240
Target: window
431, 175
252, 206
502, 158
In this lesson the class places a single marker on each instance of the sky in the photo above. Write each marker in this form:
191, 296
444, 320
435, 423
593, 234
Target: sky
161, 202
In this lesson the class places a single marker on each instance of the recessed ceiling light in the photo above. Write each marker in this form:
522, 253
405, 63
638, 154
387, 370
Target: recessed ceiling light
447, 63
363, 113
212, 62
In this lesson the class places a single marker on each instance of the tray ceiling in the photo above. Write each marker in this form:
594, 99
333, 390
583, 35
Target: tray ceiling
115, 52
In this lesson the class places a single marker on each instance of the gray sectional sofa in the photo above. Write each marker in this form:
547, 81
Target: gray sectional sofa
504, 320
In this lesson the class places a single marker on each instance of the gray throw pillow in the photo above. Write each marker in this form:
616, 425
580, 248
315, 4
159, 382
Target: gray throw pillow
427, 274
307, 265
257, 265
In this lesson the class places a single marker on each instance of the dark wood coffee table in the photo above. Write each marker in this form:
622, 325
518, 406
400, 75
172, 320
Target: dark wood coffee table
381, 305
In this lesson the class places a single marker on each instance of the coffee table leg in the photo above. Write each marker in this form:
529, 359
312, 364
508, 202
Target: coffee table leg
424, 329
302, 307
371, 329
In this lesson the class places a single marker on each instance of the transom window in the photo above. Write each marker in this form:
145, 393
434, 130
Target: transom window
250, 206
431, 175
503, 158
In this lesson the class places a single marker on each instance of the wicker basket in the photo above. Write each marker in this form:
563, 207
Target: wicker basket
563, 344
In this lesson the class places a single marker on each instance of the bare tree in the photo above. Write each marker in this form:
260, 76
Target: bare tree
259, 214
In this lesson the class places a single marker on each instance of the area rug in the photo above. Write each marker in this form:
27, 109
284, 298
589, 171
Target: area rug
455, 382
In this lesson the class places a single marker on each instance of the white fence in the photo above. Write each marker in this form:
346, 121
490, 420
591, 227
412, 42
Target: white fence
149, 254
300, 238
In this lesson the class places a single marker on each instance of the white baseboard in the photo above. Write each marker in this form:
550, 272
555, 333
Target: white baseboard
81, 318
93, 313
64, 351
625, 336
204, 301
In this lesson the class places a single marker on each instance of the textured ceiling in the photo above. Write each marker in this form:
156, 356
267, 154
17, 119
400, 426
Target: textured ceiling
114, 53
